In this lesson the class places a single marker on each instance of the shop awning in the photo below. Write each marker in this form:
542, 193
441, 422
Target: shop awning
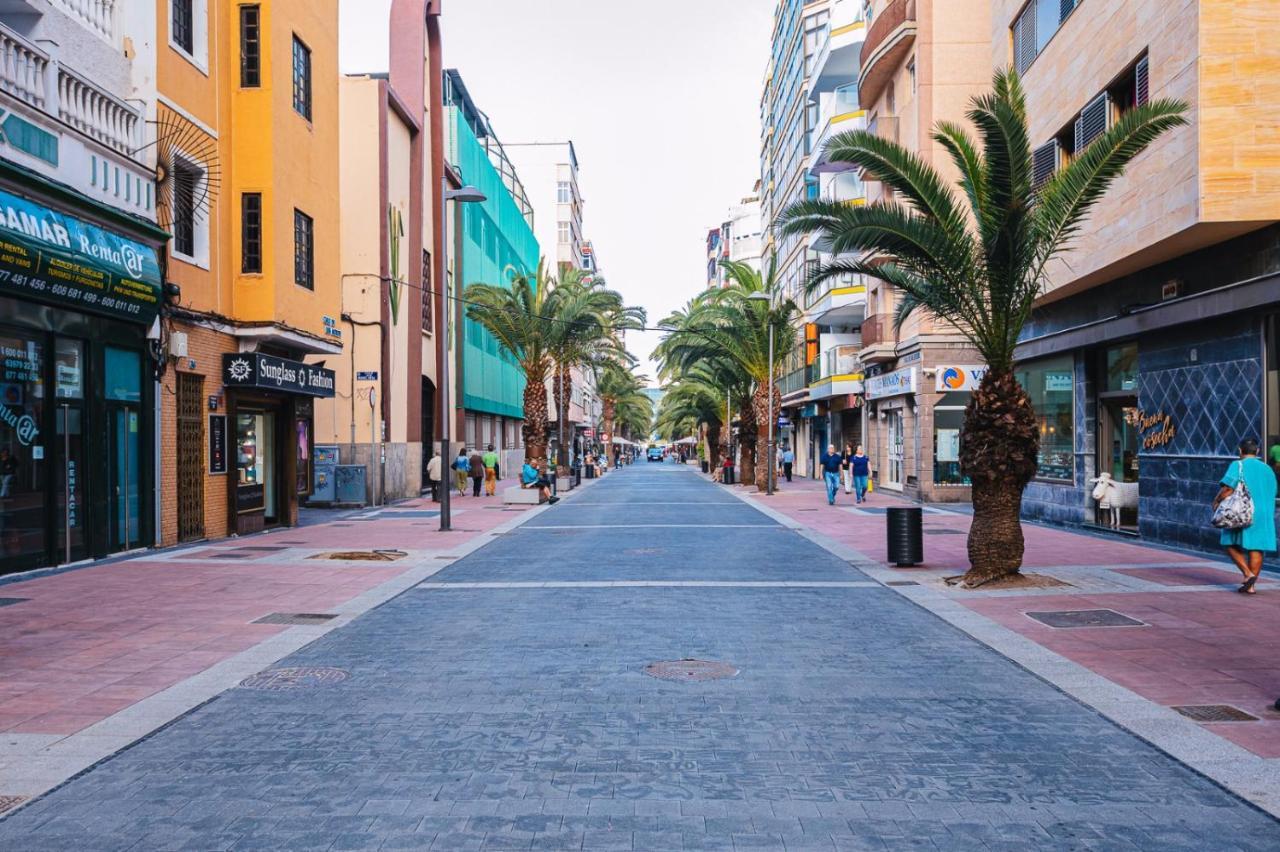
54, 257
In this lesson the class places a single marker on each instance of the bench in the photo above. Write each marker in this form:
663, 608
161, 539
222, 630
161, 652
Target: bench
517, 495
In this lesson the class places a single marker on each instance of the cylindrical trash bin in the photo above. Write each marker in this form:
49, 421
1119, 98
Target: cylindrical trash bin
728, 474
706, 466
591, 471
906, 535
577, 475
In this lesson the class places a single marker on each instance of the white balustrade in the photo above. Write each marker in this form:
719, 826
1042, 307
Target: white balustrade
23, 68
97, 15
94, 112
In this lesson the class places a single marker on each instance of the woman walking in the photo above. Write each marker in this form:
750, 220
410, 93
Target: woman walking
460, 468
1246, 545
860, 466
831, 461
846, 470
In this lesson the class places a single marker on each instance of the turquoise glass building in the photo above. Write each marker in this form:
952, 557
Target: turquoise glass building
497, 243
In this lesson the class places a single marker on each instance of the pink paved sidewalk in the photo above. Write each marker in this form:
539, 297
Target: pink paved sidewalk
91, 642
1200, 643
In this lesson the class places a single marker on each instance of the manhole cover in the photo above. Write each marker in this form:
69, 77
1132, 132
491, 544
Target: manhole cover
306, 677
1215, 713
10, 802
12, 601
296, 618
690, 670
363, 555
902, 583
1066, 619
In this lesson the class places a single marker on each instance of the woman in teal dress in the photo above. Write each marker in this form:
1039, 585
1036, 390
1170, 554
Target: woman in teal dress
1246, 546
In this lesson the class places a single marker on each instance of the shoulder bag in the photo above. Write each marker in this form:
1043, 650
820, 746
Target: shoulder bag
1236, 511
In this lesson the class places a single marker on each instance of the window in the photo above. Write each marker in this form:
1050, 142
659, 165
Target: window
564, 193
186, 182
301, 79
251, 232
948, 425
303, 250
250, 47
182, 25
427, 295
1051, 384
911, 72
1121, 364
562, 233
1034, 26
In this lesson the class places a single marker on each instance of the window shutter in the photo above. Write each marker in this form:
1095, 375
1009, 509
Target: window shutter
1044, 162
1092, 121
1065, 8
1024, 38
1141, 88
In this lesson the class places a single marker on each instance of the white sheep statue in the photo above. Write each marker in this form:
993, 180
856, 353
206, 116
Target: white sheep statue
1112, 496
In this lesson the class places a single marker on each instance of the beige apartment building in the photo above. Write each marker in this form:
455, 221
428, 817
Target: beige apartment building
921, 62
1155, 351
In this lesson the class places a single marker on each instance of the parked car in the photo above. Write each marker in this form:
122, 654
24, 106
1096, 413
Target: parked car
654, 454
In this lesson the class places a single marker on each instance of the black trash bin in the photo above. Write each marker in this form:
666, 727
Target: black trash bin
577, 474
728, 474
706, 466
906, 535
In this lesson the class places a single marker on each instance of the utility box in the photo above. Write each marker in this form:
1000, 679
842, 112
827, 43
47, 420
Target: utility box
324, 459
349, 484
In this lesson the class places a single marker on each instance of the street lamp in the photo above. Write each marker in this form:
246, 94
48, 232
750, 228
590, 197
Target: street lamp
768, 297
465, 195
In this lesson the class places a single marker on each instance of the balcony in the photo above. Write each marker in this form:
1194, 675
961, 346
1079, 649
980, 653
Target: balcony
837, 61
887, 43
840, 303
30, 75
840, 112
793, 387
879, 339
96, 15
841, 373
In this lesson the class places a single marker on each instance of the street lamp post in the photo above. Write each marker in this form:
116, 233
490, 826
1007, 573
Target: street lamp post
465, 195
772, 462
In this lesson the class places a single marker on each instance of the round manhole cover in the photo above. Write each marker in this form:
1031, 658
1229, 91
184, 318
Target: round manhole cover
305, 677
690, 670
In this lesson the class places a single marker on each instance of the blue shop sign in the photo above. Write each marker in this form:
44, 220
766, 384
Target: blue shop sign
58, 258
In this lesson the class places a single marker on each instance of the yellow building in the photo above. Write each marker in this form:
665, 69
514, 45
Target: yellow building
247, 141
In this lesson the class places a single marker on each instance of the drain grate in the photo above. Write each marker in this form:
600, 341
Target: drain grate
1067, 619
686, 671
363, 555
304, 677
12, 601
1215, 713
902, 583
296, 618
8, 803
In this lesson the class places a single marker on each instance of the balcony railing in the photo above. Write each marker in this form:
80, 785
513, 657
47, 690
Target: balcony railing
31, 75
840, 361
878, 329
889, 37
796, 380
885, 126
97, 15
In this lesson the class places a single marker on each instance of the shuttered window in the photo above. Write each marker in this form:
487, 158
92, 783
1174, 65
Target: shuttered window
1044, 162
1024, 39
1034, 26
1142, 85
1092, 121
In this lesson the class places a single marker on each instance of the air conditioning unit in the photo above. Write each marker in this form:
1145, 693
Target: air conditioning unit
178, 344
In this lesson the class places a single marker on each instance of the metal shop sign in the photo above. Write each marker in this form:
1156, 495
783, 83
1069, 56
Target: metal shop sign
891, 384
217, 443
965, 377
255, 370
57, 258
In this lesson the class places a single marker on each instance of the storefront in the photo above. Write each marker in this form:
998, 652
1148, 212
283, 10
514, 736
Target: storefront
1155, 379
80, 289
270, 426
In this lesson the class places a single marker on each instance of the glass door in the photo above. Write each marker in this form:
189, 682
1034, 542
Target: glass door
23, 506
1118, 429
897, 444
122, 385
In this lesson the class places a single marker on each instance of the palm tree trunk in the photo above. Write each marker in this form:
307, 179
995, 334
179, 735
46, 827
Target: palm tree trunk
713, 445
747, 436
535, 414
999, 457
610, 407
562, 390
763, 412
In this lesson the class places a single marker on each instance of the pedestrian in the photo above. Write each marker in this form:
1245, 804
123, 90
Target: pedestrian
433, 477
461, 467
860, 466
531, 478
475, 468
788, 460
8, 472
1246, 545
846, 471
490, 472
831, 461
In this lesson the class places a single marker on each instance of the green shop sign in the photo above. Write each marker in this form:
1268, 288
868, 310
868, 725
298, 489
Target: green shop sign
57, 258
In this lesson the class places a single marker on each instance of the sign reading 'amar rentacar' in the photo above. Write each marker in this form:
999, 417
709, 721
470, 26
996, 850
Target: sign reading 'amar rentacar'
255, 370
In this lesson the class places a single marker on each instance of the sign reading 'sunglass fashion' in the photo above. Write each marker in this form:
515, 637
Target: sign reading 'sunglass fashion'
255, 370
57, 258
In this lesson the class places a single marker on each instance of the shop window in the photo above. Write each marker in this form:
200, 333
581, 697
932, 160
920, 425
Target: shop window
250, 47
302, 463
1122, 368
1051, 385
255, 463
1272, 391
22, 474
948, 424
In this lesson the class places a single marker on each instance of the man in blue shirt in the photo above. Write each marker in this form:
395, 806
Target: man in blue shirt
530, 478
831, 462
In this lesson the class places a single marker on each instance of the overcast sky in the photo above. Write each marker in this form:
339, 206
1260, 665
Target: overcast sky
661, 100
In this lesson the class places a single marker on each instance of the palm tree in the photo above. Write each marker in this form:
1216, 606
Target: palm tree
729, 327
619, 388
696, 399
977, 259
521, 318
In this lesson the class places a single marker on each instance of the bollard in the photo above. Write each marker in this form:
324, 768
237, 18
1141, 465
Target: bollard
904, 527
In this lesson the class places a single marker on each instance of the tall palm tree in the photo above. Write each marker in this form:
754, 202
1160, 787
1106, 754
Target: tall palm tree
696, 399
730, 326
977, 259
619, 387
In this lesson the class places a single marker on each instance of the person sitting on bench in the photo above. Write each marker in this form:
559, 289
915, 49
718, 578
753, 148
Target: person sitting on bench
530, 478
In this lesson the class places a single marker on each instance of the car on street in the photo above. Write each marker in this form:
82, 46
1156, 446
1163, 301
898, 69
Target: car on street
654, 454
